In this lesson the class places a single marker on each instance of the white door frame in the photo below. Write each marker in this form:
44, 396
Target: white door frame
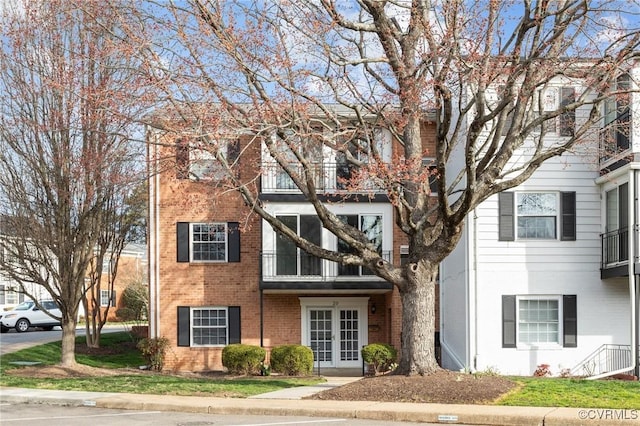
336, 304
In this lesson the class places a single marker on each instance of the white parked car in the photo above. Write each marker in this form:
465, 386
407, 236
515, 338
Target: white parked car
27, 314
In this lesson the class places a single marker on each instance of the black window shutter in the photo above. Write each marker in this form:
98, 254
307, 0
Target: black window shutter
508, 321
182, 239
233, 248
233, 151
568, 216
234, 324
568, 118
182, 158
184, 326
569, 321
2, 291
506, 231
113, 298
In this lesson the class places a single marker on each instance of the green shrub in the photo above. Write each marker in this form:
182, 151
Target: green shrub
380, 355
292, 360
154, 351
243, 359
135, 298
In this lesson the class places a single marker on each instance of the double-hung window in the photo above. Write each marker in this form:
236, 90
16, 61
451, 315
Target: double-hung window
537, 216
208, 325
107, 298
196, 159
532, 321
201, 242
9, 296
209, 242
539, 321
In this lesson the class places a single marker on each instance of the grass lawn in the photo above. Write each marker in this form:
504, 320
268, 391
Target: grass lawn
535, 392
147, 382
558, 392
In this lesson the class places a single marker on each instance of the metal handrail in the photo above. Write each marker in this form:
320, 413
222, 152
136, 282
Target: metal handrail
326, 176
608, 358
305, 267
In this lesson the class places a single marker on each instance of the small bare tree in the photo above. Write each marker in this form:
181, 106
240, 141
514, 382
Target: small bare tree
66, 155
122, 218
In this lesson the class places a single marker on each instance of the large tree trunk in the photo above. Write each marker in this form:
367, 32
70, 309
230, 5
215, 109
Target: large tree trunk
68, 343
418, 325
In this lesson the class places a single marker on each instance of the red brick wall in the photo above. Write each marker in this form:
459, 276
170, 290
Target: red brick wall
237, 284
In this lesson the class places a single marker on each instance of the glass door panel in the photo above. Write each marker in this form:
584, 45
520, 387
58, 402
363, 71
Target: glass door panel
321, 335
349, 335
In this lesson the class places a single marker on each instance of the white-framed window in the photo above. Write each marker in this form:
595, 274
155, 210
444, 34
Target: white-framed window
538, 320
311, 148
9, 296
555, 98
537, 215
348, 175
196, 158
289, 259
105, 298
371, 226
208, 242
209, 326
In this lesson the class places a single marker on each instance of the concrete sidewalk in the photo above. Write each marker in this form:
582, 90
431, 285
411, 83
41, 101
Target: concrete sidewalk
289, 404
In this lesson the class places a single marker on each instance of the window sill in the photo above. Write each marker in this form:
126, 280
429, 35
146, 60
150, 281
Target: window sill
541, 347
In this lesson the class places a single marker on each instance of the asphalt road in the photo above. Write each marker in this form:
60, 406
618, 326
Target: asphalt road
13, 341
55, 415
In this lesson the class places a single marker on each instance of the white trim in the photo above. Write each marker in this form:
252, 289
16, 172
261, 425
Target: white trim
558, 215
191, 326
545, 345
154, 240
226, 242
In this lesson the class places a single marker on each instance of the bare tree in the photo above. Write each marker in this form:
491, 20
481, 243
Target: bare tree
122, 217
65, 144
479, 72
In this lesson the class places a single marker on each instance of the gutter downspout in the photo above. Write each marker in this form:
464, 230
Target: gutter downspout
634, 280
153, 264
473, 281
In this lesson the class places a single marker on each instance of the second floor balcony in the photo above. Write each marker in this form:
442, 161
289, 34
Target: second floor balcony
328, 177
614, 141
289, 271
615, 253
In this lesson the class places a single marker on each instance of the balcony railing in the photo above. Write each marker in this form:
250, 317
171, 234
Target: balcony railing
327, 177
615, 247
614, 138
305, 267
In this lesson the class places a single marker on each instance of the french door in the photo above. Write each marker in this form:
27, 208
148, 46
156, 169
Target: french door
335, 329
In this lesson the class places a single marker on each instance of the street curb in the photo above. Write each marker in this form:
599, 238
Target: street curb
489, 415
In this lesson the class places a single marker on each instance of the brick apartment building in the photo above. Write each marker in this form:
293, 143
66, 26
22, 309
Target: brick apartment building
219, 275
